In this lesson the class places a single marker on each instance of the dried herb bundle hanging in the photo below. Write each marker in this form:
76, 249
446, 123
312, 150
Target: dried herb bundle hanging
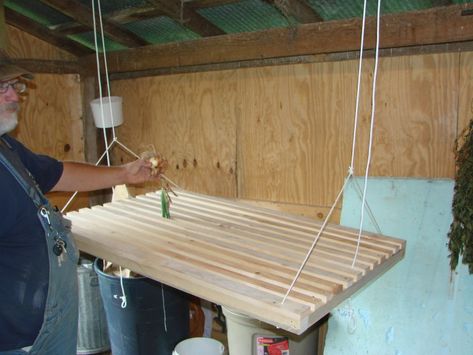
461, 230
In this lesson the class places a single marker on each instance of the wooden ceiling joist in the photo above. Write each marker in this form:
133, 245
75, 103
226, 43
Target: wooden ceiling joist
202, 4
119, 17
433, 26
188, 17
299, 9
26, 24
81, 14
39, 66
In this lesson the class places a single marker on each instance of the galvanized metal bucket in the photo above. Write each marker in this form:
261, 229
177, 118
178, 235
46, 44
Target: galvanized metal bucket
92, 337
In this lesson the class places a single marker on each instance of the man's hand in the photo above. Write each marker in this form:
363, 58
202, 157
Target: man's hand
142, 170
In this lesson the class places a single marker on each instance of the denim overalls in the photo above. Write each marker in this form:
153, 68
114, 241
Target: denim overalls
58, 333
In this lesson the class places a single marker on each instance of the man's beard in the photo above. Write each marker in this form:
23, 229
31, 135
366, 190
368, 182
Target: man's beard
8, 117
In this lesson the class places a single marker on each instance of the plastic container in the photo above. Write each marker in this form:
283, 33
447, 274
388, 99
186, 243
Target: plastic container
92, 336
242, 330
144, 326
110, 119
199, 346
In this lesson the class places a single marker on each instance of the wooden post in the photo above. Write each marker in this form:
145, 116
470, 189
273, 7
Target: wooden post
90, 132
91, 141
3, 27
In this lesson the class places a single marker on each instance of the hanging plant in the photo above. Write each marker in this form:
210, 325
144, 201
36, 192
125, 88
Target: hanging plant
461, 230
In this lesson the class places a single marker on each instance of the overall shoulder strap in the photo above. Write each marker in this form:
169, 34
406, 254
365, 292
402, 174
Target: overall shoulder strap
14, 165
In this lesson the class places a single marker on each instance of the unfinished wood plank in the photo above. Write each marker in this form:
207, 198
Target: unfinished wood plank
273, 228
278, 221
188, 257
416, 122
198, 109
220, 250
252, 265
436, 25
276, 256
273, 235
23, 45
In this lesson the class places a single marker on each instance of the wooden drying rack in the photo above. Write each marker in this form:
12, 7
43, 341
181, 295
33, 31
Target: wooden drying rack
236, 255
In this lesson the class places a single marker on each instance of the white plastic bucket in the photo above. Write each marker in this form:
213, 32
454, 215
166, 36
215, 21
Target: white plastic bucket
199, 346
110, 119
241, 332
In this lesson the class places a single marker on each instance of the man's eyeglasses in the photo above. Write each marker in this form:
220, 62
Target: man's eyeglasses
18, 86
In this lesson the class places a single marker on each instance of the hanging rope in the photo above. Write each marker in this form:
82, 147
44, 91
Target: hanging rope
351, 167
104, 51
370, 145
100, 81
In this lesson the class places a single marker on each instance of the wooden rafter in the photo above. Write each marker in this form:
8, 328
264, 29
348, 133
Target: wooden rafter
49, 66
32, 27
119, 17
299, 9
134, 14
434, 26
442, 2
188, 17
82, 15
202, 4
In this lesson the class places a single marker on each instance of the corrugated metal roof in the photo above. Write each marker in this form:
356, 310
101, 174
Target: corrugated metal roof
161, 30
246, 16
156, 22
37, 11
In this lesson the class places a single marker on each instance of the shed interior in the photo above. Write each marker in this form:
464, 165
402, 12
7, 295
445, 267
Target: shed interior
250, 99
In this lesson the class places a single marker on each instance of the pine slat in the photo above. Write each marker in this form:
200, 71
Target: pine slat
236, 255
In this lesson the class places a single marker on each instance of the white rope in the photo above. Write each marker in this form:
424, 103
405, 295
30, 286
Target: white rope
99, 79
126, 148
164, 309
351, 167
123, 296
357, 103
370, 145
322, 228
97, 163
104, 51
107, 149
368, 209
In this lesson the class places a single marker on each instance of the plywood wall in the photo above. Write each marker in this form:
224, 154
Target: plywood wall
50, 120
22, 45
465, 103
284, 133
190, 119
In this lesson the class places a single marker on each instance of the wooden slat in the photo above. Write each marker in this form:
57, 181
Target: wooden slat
232, 254
247, 244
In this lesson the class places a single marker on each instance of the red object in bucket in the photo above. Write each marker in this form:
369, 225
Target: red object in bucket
268, 345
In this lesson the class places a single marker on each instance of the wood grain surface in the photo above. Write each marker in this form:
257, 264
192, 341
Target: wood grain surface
24, 45
465, 103
50, 122
283, 134
235, 254
190, 119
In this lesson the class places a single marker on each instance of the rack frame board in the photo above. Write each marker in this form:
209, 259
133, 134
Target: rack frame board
235, 254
